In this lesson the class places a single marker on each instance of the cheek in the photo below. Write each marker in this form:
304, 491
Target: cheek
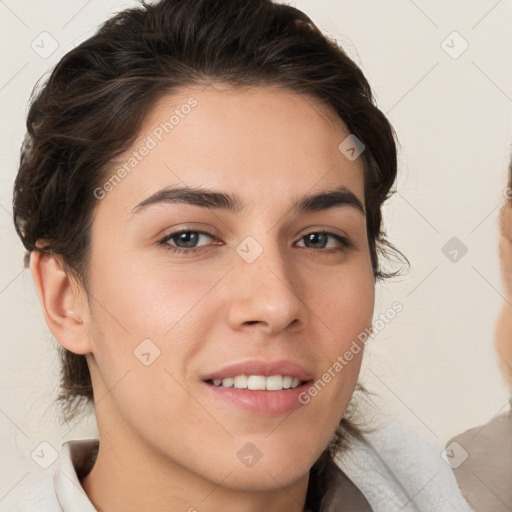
505, 253
149, 313
146, 300
503, 336
344, 308
345, 303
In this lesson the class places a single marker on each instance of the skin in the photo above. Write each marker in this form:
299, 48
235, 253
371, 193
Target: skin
504, 323
165, 443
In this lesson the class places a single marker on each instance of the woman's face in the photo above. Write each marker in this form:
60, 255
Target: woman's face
255, 285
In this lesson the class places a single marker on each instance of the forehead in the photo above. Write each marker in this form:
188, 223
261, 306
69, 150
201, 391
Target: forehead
266, 143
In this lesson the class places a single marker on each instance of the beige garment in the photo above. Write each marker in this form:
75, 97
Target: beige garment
485, 477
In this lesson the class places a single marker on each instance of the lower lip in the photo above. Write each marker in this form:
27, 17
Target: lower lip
266, 403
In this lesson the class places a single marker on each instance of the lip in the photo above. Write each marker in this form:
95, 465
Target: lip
263, 403
262, 367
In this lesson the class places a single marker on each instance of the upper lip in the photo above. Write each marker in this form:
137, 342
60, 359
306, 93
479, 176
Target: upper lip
261, 367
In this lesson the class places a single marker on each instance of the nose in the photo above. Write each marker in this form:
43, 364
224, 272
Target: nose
265, 293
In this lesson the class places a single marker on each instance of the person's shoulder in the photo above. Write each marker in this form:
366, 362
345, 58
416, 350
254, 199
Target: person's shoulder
481, 459
397, 469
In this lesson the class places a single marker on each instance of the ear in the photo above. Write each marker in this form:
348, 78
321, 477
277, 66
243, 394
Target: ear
64, 302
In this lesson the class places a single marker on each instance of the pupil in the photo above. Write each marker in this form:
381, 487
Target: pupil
314, 236
188, 235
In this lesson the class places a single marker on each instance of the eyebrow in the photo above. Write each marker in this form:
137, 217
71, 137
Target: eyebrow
338, 197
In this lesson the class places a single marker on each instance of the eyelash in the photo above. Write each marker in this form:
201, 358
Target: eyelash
345, 242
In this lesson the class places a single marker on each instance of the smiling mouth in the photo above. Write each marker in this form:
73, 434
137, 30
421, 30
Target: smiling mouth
258, 382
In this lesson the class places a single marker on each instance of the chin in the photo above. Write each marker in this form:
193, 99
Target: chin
265, 477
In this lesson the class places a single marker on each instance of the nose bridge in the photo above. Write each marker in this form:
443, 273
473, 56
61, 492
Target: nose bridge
265, 290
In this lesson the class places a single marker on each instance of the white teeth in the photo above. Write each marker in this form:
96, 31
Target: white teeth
227, 382
274, 382
259, 382
240, 381
256, 382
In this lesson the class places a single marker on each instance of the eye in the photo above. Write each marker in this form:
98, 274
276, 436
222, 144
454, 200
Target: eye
189, 238
316, 238
186, 237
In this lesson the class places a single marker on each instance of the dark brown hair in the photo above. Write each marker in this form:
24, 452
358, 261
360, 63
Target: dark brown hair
91, 107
